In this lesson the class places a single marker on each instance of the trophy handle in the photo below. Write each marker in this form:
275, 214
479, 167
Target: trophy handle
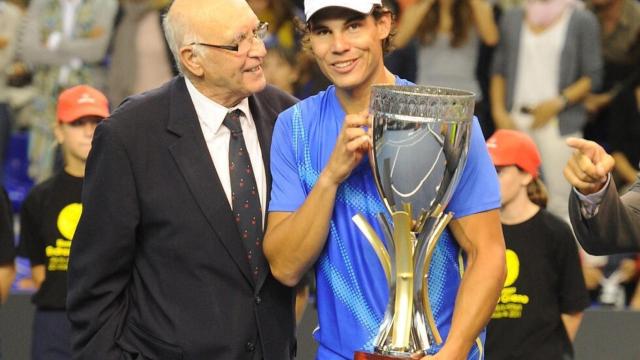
376, 243
432, 241
403, 238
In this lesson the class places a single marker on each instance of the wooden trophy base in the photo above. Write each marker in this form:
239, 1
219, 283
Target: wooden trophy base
362, 355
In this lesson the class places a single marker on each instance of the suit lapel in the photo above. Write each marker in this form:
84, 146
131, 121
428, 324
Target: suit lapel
191, 154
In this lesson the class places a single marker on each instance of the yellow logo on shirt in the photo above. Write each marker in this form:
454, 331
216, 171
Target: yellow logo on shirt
67, 223
511, 303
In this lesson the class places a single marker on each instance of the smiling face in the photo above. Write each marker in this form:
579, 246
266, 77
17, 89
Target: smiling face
347, 46
223, 75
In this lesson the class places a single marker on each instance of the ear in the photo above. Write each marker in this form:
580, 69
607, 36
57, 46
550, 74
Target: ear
191, 60
384, 26
526, 179
58, 132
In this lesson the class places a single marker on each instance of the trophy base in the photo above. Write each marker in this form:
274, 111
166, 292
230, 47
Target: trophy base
363, 355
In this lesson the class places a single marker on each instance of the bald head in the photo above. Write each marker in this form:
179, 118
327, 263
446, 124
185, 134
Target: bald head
191, 20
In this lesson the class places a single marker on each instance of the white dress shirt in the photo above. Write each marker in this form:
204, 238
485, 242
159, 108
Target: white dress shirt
216, 135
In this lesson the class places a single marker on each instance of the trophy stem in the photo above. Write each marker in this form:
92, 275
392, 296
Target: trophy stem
404, 281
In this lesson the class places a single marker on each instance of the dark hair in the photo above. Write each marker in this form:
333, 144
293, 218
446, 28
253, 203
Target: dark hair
537, 193
377, 12
462, 19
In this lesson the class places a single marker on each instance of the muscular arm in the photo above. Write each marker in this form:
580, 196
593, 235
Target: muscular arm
480, 236
293, 241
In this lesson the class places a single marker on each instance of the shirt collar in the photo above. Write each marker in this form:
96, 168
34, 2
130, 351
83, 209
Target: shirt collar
210, 113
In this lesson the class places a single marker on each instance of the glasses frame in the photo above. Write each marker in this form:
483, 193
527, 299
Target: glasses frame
260, 32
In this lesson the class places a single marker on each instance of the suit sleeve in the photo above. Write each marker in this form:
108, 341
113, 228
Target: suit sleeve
616, 226
103, 249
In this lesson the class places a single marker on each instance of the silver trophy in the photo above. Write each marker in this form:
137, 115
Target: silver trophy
421, 139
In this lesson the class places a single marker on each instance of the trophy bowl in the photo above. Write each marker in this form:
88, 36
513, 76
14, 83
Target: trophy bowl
421, 139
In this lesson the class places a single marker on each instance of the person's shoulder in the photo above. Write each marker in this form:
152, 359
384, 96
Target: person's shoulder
275, 99
553, 222
41, 191
584, 16
141, 109
309, 105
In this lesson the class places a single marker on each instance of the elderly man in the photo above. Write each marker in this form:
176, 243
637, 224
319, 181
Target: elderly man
603, 222
166, 262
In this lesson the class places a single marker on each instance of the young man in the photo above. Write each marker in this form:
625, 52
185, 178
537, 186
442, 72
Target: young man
49, 217
321, 178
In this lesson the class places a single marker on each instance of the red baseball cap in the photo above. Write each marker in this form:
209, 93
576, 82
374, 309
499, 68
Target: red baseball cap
80, 101
511, 147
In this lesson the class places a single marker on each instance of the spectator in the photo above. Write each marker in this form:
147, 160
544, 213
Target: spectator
450, 34
280, 15
65, 42
547, 61
544, 295
49, 217
140, 59
10, 16
620, 38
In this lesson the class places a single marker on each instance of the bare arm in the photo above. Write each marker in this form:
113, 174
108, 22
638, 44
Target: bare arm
572, 324
7, 273
485, 22
293, 241
498, 106
38, 275
548, 109
411, 19
480, 236
624, 168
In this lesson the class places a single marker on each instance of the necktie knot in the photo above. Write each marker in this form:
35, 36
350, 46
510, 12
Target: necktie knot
232, 122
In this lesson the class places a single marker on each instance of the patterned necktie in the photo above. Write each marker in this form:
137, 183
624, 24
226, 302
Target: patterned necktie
244, 193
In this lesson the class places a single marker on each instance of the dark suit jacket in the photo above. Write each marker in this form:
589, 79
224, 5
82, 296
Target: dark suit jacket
158, 270
616, 226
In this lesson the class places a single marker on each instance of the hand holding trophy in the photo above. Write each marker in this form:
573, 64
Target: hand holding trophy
420, 144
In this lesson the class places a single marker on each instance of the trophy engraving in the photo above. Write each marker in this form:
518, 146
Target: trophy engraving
420, 143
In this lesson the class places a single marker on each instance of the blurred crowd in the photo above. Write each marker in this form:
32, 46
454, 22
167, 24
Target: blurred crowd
576, 76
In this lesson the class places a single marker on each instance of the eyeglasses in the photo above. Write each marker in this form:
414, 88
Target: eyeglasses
260, 32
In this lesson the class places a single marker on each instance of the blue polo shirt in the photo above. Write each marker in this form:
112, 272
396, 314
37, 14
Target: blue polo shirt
352, 291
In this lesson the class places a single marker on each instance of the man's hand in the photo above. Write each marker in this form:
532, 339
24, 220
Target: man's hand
545, 111
352, 145
588, 168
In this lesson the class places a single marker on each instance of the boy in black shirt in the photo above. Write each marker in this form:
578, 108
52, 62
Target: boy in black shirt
544, 295
49, 217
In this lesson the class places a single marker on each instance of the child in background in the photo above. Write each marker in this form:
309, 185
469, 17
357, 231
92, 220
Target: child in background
544, 295
49, 217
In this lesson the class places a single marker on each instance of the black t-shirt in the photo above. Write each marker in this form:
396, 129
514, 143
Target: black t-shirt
7, 248
544, 281
48, 220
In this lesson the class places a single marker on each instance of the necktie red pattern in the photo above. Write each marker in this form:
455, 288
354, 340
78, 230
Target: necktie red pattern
244, 193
